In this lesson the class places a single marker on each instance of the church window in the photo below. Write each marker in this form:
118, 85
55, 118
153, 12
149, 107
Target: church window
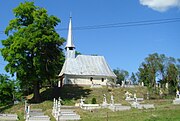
102, 79
91, 79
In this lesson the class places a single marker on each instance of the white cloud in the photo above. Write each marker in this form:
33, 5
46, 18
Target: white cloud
160, 5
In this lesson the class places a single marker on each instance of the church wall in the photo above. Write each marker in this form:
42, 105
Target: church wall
87, 80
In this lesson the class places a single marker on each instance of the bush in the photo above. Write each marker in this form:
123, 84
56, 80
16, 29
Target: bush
93, 101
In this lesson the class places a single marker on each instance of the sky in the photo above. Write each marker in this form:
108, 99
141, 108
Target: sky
124, 47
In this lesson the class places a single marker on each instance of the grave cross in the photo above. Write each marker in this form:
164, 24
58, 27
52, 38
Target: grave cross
112, 99
177, 94
104, 99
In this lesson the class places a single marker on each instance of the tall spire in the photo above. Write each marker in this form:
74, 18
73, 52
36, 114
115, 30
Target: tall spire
70, 48
69, 44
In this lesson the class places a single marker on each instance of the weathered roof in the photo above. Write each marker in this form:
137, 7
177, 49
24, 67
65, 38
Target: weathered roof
86, 65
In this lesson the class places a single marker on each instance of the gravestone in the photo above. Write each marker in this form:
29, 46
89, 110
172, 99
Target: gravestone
117, 106
36, 115
112, 100
104, 99
128, 96
135, 103
54, 106
61, 114
82, 101
160, 93
122, 84
135, 98
177, 94
142, 84
166, 85
8, 117
147, 94
104, 104
177, 99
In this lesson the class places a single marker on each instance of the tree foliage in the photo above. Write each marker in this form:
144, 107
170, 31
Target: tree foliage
172, 73
33, 47
7, 89
122, 75
133, 78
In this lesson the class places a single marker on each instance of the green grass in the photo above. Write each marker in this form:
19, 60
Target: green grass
159, 114
164, 111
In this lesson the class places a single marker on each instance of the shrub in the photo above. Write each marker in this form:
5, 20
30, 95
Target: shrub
93, 101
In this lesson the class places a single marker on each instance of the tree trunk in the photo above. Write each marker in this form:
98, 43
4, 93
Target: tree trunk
36, 96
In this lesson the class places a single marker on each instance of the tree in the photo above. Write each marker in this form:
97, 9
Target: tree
149, 70
122, 75
172, 77
6, 89
33, 47
133, 78
152, 65
178, 67
162, 65
143, 75
77, 53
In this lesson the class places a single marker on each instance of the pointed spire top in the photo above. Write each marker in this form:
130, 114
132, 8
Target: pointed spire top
69, 43
70, 15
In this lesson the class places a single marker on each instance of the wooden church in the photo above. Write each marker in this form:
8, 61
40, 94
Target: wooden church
84, 69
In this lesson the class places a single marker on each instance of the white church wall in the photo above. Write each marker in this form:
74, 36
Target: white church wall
87, 80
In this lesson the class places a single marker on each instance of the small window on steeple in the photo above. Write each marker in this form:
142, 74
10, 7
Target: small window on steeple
70, 48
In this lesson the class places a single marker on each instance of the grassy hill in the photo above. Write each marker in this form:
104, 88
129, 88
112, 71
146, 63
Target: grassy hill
164, 111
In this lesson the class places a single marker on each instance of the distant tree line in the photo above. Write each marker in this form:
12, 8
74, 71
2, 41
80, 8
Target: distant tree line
156, 68
123, 75
162, 69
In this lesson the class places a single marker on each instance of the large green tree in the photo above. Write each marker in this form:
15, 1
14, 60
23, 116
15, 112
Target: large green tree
33, 47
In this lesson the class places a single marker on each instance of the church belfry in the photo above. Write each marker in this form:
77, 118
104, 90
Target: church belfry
70, 48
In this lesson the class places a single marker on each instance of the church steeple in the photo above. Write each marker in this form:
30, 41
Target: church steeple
69, 43
70, 48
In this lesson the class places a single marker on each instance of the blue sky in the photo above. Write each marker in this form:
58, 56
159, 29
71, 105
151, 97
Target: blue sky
123, 47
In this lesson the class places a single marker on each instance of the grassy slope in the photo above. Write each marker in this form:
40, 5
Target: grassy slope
164, 110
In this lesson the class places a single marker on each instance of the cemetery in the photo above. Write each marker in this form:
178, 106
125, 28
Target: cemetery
110, 101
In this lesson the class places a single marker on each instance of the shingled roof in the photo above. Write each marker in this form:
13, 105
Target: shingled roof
86, 65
